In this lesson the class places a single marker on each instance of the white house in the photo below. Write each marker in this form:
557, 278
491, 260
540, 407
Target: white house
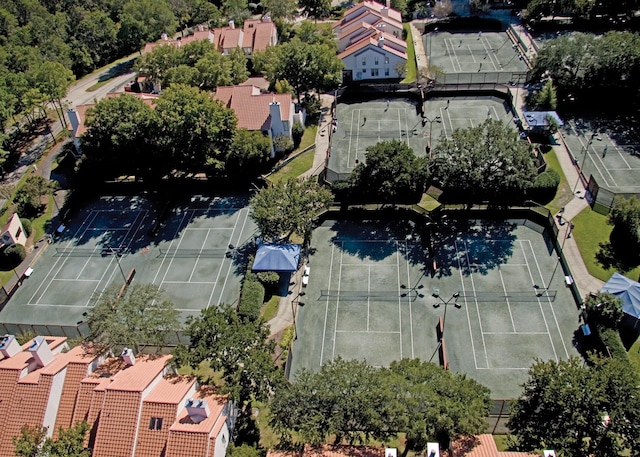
13, 232
374, 57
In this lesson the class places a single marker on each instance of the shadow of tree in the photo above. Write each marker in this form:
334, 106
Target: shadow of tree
618, 252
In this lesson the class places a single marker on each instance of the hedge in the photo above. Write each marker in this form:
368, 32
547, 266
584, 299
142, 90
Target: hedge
251, 298
610, 337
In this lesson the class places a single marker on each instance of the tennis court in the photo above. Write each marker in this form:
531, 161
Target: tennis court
477, 52
192, 249
608, 151
372, 292
364, 123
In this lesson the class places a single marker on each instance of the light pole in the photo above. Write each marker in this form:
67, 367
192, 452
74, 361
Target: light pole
584, 159
425, 119
453, 298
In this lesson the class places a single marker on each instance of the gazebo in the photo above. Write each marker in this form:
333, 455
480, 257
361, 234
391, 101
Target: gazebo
628, 291
282, 258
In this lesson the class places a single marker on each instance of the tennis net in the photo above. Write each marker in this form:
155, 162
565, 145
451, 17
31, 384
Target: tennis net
86, 252
365, 295
516, 296
194, 253
384, 133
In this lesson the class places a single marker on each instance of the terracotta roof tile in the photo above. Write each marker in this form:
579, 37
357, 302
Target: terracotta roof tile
232, 38
171, 389
262, 37
184, 423
155, 420
136, 378
483, 446
251, 107
371, 41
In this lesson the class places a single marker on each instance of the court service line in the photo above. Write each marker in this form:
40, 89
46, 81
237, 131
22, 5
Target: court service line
188, 282
546, 324
535, 259
472, 54
409, 286
335, 324
406, 123
585, 147
53, 275
74, 280
604, 166
226, 278
506, 295
466, 307
195, 264
453, 65
489, 53
515, 333
357, 137
326, 309
473, 288
367, 331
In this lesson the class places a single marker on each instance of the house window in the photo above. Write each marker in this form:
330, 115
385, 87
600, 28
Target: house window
364, 61
18, 233
155, 423
374, 72
386, 72
364, 70
386, 59
376, 60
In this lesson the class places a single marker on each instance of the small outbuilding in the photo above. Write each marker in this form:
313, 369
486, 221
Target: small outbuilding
627, 290
13, 232
282, 258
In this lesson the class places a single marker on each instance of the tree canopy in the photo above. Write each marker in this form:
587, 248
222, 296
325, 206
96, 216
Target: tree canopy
391, 172
486, 162
140, 315
356, 402
578, 409
33, 442
288, 207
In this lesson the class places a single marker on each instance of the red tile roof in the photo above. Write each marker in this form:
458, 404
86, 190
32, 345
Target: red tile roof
361, 10
137, 378
256, 35
171, 390
332, 451
252, 107
372, 41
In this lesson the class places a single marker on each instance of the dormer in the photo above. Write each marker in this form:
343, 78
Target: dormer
9, 346
197, 409
40, 351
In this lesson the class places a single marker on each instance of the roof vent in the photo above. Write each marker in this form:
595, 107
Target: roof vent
164, 36
381, 41
9, 346
128, 357
198, 409
232, 24
548, 453
266, 19
40, 351
433, 450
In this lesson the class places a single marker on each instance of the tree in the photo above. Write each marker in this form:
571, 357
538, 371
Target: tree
603, 309
30, 197
280, 9
565, 406
214, 70
238, 66
193, 130
153, 17
487, 162
248, 154
239, 349
32, 442
52, 79
288, 207
315, 9
625, 218
545, 99
391, 172
96, 37
156, 64
138, 316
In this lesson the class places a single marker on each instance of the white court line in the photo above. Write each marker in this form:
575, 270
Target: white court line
326, 309
444, 124
400, 300
194, 229
55, 305
546, 324
535, 259
472, 54
350, 136
406, 123
599, 157
453, 65
357, 137
368, 295
74, 280
335, 324
506, 296
615, 147
466, 307
585, 156
188, 282
473, 288
195, 264
366, 331
625, 169
176, 233
488, 53
53, 275
224, 284
515, 333
409, 286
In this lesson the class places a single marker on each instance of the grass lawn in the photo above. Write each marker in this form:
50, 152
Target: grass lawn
634, 356
270, 309
301, 163
590, 230
564, 193
412, 66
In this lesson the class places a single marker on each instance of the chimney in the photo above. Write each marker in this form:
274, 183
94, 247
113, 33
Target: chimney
266, 18
232, 25
390, 452
74, 120
548, 453
385, 11
201, 28
381, 41
388, 4
9, 346
128, 357
164, 36
198, 410
40, 351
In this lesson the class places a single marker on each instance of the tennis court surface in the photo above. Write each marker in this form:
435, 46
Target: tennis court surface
608, 151
372, 292
193, 249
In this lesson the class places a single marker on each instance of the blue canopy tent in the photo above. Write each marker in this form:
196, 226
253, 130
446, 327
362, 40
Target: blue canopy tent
627, 290
283, 258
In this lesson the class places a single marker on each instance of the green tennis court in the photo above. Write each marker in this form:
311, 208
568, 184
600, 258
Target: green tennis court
192, 249
372, 292
609, 151
482, 53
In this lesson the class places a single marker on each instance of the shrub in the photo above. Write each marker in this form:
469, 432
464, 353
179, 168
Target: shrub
545, 185
283, 143
312, 106
26, 225
611, 339
297, 131
251, 299
268, 278
13, 255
